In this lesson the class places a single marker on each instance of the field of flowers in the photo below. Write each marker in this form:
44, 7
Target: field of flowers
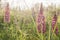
23, 25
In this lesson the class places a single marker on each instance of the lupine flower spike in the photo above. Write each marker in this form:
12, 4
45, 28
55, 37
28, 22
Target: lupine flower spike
54, 24
7, 14
41, 21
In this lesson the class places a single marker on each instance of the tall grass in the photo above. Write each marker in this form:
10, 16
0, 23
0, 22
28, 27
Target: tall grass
27, 29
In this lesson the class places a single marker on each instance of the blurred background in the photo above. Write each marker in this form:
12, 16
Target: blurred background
18, 19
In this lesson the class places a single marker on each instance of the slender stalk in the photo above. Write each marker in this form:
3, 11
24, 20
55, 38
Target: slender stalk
49, 23
49, 30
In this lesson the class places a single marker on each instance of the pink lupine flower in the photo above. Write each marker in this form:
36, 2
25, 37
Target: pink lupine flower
54, 21
7, 13
41, 21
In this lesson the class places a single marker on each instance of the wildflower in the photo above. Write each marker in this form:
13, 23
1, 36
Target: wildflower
7, 13
54, 22
41, 21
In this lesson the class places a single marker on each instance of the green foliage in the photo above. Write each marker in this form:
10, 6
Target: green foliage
25, 29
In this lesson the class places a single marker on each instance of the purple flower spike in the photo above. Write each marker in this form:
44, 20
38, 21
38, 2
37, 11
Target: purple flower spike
41, 21
7, 14
54, 21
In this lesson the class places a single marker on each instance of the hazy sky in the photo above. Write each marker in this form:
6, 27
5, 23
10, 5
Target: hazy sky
30, 3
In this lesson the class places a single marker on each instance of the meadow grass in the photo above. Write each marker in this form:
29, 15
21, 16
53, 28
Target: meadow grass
26, 29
